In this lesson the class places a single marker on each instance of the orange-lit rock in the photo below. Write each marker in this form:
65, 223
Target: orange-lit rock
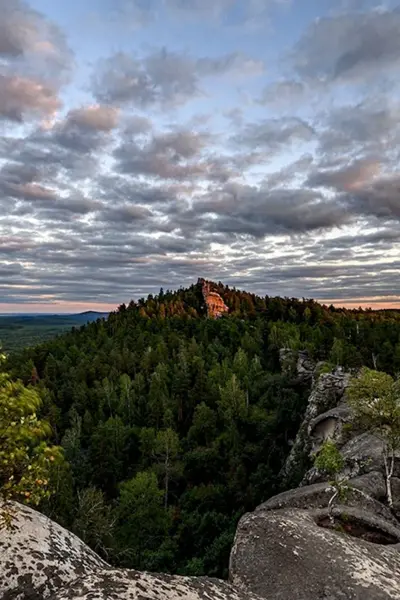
214, 303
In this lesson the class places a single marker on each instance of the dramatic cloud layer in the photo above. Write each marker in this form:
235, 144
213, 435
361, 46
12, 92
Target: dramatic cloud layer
157, 141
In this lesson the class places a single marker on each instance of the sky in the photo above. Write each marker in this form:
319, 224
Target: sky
146, 143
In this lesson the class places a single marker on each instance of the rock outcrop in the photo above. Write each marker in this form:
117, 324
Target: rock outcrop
287, 549
298, 364
289, 542
284, 554
215, 305
325, 399
39, 560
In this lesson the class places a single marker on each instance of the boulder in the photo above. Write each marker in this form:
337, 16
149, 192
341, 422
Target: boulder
363, 453
286, 555
39, 560
372, 483
318, 495
330, 425
38, 556
133, 585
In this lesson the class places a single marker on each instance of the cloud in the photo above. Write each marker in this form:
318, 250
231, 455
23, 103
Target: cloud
163, 77
83, 130
380, 199
209, 8
274, 135
282, 92
127, 213
177, 155
352, 177
371, 126
365, 191
94, 118
293, 193
349, 46
20, 181
32, 44
22, 98
259, 211
124, 79
252, 12
235, 63
288, 174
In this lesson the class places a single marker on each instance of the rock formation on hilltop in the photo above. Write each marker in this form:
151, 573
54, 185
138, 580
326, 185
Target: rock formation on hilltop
215, 305
285, 550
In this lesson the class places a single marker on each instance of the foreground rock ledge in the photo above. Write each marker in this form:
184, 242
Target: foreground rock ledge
277, 555
40, 560
283, 550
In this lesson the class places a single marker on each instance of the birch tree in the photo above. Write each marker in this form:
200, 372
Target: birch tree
375, 400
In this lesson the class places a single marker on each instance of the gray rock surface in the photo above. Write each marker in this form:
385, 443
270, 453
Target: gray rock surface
39, 557
285, 550
40, 560
297, 363
326, 394
318, 495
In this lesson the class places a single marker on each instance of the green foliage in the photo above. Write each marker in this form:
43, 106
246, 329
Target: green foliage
375, 399
325, 367
19, 331
94, 521
142, 521
329, 459
27, 463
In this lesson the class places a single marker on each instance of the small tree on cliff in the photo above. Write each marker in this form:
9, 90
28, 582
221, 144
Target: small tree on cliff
375, 400
331, 462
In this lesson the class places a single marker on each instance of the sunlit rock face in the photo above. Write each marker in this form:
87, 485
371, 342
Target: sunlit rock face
215, 305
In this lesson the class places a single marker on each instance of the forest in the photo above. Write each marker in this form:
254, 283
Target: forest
172, 424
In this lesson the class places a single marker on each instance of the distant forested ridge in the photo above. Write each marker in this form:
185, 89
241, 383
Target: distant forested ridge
174, 424
21, 330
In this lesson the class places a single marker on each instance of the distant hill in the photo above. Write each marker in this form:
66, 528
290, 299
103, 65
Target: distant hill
19, 331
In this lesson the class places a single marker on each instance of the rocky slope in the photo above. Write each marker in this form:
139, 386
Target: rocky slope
284, 550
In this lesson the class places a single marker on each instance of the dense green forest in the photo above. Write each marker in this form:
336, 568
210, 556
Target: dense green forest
19, 331
173, 424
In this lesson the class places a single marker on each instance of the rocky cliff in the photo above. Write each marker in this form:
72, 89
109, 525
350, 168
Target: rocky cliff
285, 550
289, 543
215, 305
